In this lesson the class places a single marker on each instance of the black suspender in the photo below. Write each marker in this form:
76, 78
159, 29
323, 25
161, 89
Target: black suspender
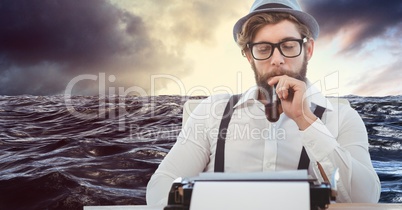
223, 127
304, 161
220, 145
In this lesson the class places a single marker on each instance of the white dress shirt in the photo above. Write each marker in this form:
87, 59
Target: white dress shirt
253, 144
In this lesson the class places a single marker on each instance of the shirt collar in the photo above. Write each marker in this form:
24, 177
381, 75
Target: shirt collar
313, 95
250, 95
316, 98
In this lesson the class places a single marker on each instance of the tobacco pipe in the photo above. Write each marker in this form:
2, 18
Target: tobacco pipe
271, 108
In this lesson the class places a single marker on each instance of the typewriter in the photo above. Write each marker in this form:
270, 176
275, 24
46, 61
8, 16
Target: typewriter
321, 193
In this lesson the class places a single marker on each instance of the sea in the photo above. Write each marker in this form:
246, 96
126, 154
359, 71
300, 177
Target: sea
66, 152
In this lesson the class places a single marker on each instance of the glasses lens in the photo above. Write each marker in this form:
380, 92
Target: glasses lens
290, 48
262, 51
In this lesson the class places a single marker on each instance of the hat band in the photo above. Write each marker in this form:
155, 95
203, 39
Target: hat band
272, 6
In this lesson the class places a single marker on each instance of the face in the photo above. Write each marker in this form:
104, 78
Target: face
277, 64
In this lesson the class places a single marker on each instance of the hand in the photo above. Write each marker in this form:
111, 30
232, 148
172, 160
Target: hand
291, 92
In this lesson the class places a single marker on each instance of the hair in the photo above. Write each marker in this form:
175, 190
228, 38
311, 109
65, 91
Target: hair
257, 21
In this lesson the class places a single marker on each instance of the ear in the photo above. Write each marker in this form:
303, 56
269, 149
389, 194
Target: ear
246, 53
310, 48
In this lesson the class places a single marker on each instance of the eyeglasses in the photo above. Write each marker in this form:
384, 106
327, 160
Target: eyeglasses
288, 48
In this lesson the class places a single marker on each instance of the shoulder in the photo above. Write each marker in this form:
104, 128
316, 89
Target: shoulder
214, 100
345, 113
203, 109
341, 106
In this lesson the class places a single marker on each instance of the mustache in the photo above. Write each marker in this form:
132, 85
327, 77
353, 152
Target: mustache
280, 72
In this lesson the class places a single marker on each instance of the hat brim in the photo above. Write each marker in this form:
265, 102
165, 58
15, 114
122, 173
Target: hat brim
303, 17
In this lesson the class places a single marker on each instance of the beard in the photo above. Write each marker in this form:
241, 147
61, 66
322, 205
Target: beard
262, 79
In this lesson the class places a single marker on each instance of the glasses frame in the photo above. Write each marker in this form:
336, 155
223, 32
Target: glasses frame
277, 45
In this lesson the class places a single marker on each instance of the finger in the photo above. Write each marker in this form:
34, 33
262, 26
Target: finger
285, 89
287, 85
273, 80
280, 87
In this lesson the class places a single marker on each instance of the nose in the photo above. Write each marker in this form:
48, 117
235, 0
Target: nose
277, 58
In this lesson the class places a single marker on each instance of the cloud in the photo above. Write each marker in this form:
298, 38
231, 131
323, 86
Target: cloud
180, 22
367, 32
44, 44
377, 82
62, 31
359, 21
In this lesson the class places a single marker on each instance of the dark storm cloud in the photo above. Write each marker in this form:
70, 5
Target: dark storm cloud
46, 43
51, 30
368, 19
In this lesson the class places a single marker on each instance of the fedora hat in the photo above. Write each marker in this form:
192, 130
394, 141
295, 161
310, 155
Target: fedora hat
287, 6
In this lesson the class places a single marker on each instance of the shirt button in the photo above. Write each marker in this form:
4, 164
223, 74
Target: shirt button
311, 144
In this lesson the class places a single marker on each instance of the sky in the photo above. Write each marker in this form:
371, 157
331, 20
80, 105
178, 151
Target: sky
185, 47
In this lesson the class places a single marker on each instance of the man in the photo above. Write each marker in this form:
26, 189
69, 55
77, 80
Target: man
277, 38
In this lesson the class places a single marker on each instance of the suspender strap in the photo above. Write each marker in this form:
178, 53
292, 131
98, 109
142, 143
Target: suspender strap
304, 161
223, 127
319, 111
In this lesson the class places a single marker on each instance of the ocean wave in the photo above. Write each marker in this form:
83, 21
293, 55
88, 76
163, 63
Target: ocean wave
92, 150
